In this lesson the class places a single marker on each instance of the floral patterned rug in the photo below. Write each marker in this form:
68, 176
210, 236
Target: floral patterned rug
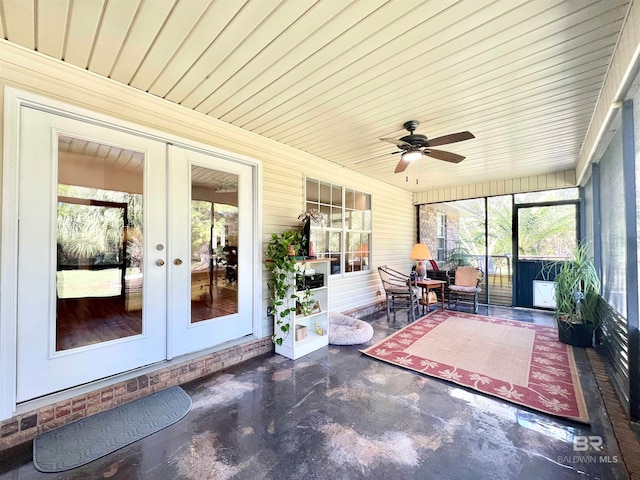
516, 361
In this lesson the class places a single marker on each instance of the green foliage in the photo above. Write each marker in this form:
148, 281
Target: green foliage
283, 269
547, 231
95, 234
205, 217
307, 303
577, 287
201, 220
458, 257
543, 231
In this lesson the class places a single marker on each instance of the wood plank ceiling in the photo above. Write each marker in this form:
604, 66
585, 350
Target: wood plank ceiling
331, 77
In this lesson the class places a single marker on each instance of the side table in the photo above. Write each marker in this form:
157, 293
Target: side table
427, 285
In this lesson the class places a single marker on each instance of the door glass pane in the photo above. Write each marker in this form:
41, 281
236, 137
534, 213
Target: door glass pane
470, 247
99, 243
214, 244
547, 232
499, 243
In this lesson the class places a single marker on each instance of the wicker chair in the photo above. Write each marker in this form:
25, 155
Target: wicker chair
465, 287
399, 292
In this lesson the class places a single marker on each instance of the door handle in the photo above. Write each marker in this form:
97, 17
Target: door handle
159, 262
177, 261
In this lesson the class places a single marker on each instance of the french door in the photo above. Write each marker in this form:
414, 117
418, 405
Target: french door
210, 217
127, 252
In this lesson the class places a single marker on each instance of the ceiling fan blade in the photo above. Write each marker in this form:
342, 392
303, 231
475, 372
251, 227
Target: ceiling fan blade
377, 156
452, 138
402, 165
398, 143
446, 156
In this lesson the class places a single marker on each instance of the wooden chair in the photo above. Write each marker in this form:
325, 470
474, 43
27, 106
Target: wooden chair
399, 292
465, 287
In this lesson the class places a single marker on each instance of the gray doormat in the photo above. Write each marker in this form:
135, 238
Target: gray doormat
93, 437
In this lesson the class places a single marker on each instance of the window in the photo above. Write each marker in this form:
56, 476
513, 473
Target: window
547, 196
613, 229
480, 231
441, 233
345, 231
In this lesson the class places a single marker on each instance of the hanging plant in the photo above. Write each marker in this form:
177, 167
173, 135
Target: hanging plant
282, 265
314, 215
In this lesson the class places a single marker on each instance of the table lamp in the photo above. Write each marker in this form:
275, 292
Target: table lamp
420, 252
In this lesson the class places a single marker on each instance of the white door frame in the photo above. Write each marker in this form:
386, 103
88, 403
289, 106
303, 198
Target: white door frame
14, 100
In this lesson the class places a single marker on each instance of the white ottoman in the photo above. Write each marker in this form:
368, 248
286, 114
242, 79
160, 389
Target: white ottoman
345, 330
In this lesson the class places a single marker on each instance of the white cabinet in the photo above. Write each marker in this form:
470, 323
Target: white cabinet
308, 332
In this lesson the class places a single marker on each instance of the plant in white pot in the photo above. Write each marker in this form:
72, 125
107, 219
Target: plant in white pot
577, 288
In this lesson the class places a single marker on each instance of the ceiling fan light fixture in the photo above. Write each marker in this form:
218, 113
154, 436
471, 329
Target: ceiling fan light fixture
411, 155
414, 146
226, 189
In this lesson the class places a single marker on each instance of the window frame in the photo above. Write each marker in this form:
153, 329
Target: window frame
337, 217
441, 236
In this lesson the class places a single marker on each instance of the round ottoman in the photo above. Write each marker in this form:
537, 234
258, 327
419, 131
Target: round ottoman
345, 330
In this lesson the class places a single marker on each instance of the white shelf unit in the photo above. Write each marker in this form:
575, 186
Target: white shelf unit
317, 323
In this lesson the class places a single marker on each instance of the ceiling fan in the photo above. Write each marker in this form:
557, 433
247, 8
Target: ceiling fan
415, 145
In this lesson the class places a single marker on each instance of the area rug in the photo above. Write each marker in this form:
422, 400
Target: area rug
516, 361
93, 437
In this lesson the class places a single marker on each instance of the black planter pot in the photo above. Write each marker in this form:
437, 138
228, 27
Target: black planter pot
576, 334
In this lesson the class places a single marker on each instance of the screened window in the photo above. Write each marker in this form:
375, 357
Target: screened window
547, 196
479, 232
441, 232
547, 232
613, 231
344, 233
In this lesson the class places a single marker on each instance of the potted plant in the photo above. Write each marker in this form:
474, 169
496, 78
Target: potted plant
306, 304
577, 288
282, 265
458, 257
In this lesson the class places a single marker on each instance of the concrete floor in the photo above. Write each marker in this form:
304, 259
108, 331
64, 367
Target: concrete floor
338, 414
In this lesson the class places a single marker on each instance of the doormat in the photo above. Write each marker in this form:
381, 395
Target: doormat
515, 361
90, 438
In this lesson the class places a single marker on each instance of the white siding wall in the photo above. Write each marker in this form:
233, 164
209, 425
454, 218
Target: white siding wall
549, 181
283, 167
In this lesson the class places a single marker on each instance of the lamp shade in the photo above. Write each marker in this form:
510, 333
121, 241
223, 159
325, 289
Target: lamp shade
420, 251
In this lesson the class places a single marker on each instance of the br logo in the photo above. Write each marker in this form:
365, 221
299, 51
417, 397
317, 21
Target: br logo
584, 443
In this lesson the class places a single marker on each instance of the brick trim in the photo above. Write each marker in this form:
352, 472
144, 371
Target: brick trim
627, 441
25, 427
